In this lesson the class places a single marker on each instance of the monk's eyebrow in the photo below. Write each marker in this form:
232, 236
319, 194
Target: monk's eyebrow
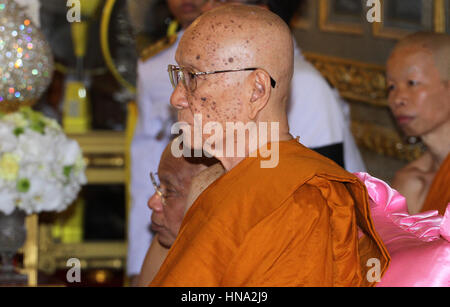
194, 68
168, 182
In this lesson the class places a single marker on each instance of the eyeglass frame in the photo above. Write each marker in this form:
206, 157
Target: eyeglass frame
157, 188
179, 69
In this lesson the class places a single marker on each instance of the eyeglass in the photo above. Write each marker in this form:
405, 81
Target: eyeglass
188, 76
157, 187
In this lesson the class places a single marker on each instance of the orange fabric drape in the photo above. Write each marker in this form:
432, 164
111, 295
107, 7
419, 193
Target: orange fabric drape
293, 225
438, 197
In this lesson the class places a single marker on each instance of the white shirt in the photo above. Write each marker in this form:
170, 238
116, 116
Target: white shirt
316, 115
155, 118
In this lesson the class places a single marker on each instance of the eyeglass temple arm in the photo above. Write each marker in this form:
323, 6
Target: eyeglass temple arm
273, 83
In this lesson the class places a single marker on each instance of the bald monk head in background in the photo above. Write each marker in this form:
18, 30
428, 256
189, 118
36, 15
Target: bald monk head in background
181, 181
175, 176
289, 224
418, 76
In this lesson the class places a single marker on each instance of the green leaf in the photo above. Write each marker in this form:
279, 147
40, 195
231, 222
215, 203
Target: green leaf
38, 126
23, 185
67, 170
26, 112
18, 131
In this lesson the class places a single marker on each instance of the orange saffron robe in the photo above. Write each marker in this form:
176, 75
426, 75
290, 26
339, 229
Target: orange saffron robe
438, 197
293, 225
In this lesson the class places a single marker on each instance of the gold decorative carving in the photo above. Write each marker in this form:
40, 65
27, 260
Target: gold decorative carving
356, 81
384, 141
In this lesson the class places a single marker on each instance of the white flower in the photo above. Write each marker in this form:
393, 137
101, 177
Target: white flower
34, 147
43, 195
70, 153
8, 141
9, 166
7, 201
52, 124
17, 119
40, 168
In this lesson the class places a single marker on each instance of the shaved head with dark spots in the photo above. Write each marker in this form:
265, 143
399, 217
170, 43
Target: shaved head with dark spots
236, 37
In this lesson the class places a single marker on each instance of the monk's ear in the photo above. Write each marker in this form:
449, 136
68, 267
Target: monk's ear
261, 90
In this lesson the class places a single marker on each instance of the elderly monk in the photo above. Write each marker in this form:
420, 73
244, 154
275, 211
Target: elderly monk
293, 223
418, 74
181, 181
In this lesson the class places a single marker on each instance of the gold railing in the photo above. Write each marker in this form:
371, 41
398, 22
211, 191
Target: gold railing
104, 153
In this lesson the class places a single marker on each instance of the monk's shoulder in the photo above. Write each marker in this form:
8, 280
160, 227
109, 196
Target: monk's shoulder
318, 191
412, 182
332, 192
308, 193
410, 178
301, 159
203, 180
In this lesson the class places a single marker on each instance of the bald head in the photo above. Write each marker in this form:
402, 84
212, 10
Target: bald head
179, 172
437, 45
175, 175
418, 75
239, 36
236, 63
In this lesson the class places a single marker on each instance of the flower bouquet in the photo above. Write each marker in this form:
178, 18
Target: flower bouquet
40, 168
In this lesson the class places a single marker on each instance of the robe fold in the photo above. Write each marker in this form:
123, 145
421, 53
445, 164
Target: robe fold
438, 197
293, 225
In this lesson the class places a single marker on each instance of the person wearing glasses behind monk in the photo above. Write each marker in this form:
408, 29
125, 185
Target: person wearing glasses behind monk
176, 185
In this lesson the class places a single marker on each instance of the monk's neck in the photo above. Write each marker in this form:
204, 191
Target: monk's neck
438, 144
230, 162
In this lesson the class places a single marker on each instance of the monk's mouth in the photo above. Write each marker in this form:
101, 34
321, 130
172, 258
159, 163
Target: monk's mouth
403, 120
156, 227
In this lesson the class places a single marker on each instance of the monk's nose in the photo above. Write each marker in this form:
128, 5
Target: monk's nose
179, 97
398, 98
155, 203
